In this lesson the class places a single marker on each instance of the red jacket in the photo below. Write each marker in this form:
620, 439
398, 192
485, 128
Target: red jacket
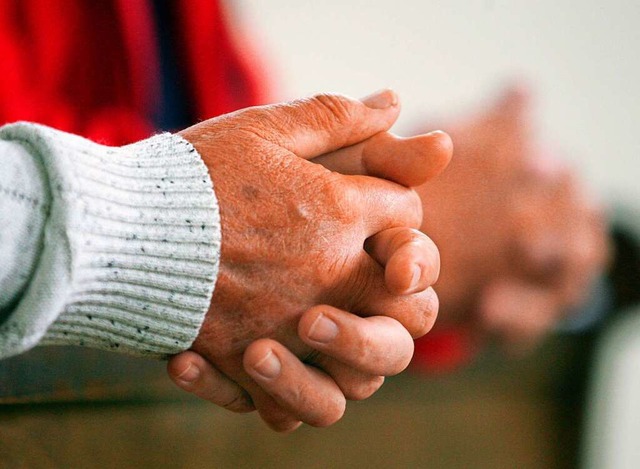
91, 67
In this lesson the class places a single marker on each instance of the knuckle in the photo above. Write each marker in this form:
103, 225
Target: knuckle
350, 206
412, 236
405, 236
339, 199
337, 234
333, 108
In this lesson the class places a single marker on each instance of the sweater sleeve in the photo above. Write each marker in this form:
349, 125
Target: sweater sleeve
23, 206
114, 248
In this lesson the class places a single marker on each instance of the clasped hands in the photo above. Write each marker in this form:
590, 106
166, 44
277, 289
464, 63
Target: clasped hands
324, 277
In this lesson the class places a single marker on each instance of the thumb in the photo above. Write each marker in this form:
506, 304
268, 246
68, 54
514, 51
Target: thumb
313, 126
405, 161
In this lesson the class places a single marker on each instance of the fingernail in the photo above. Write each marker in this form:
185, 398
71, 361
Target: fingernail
323, 329
381, 99
269, 366
190, 374
415, 278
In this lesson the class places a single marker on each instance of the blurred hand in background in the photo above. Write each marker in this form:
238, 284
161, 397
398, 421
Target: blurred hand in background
521, 240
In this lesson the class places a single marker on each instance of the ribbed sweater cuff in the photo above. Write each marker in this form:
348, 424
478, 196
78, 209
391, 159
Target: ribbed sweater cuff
143, 233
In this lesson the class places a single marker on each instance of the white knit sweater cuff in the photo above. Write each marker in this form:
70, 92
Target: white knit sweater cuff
139, 228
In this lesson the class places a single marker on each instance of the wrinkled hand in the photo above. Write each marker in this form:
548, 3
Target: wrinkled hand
362, 350
293, 235
520, 241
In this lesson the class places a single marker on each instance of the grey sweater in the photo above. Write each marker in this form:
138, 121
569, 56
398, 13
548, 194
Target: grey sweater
104, 247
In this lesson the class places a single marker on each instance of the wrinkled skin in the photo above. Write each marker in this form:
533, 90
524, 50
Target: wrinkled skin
520, 241
293, 238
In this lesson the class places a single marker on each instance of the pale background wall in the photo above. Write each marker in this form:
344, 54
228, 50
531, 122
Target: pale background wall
445, 57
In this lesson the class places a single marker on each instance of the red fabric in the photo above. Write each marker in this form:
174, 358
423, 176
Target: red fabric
223, 76
443, 351
91, 67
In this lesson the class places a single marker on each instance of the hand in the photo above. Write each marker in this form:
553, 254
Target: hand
559, 249
293, 232
351, 366
520, 241
364, 350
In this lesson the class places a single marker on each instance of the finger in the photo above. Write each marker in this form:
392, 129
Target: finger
323, 123
375, 345
406, 161
192, 373
355, 386
271, 412
410, 259
385, 204
416, 312
304, 391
